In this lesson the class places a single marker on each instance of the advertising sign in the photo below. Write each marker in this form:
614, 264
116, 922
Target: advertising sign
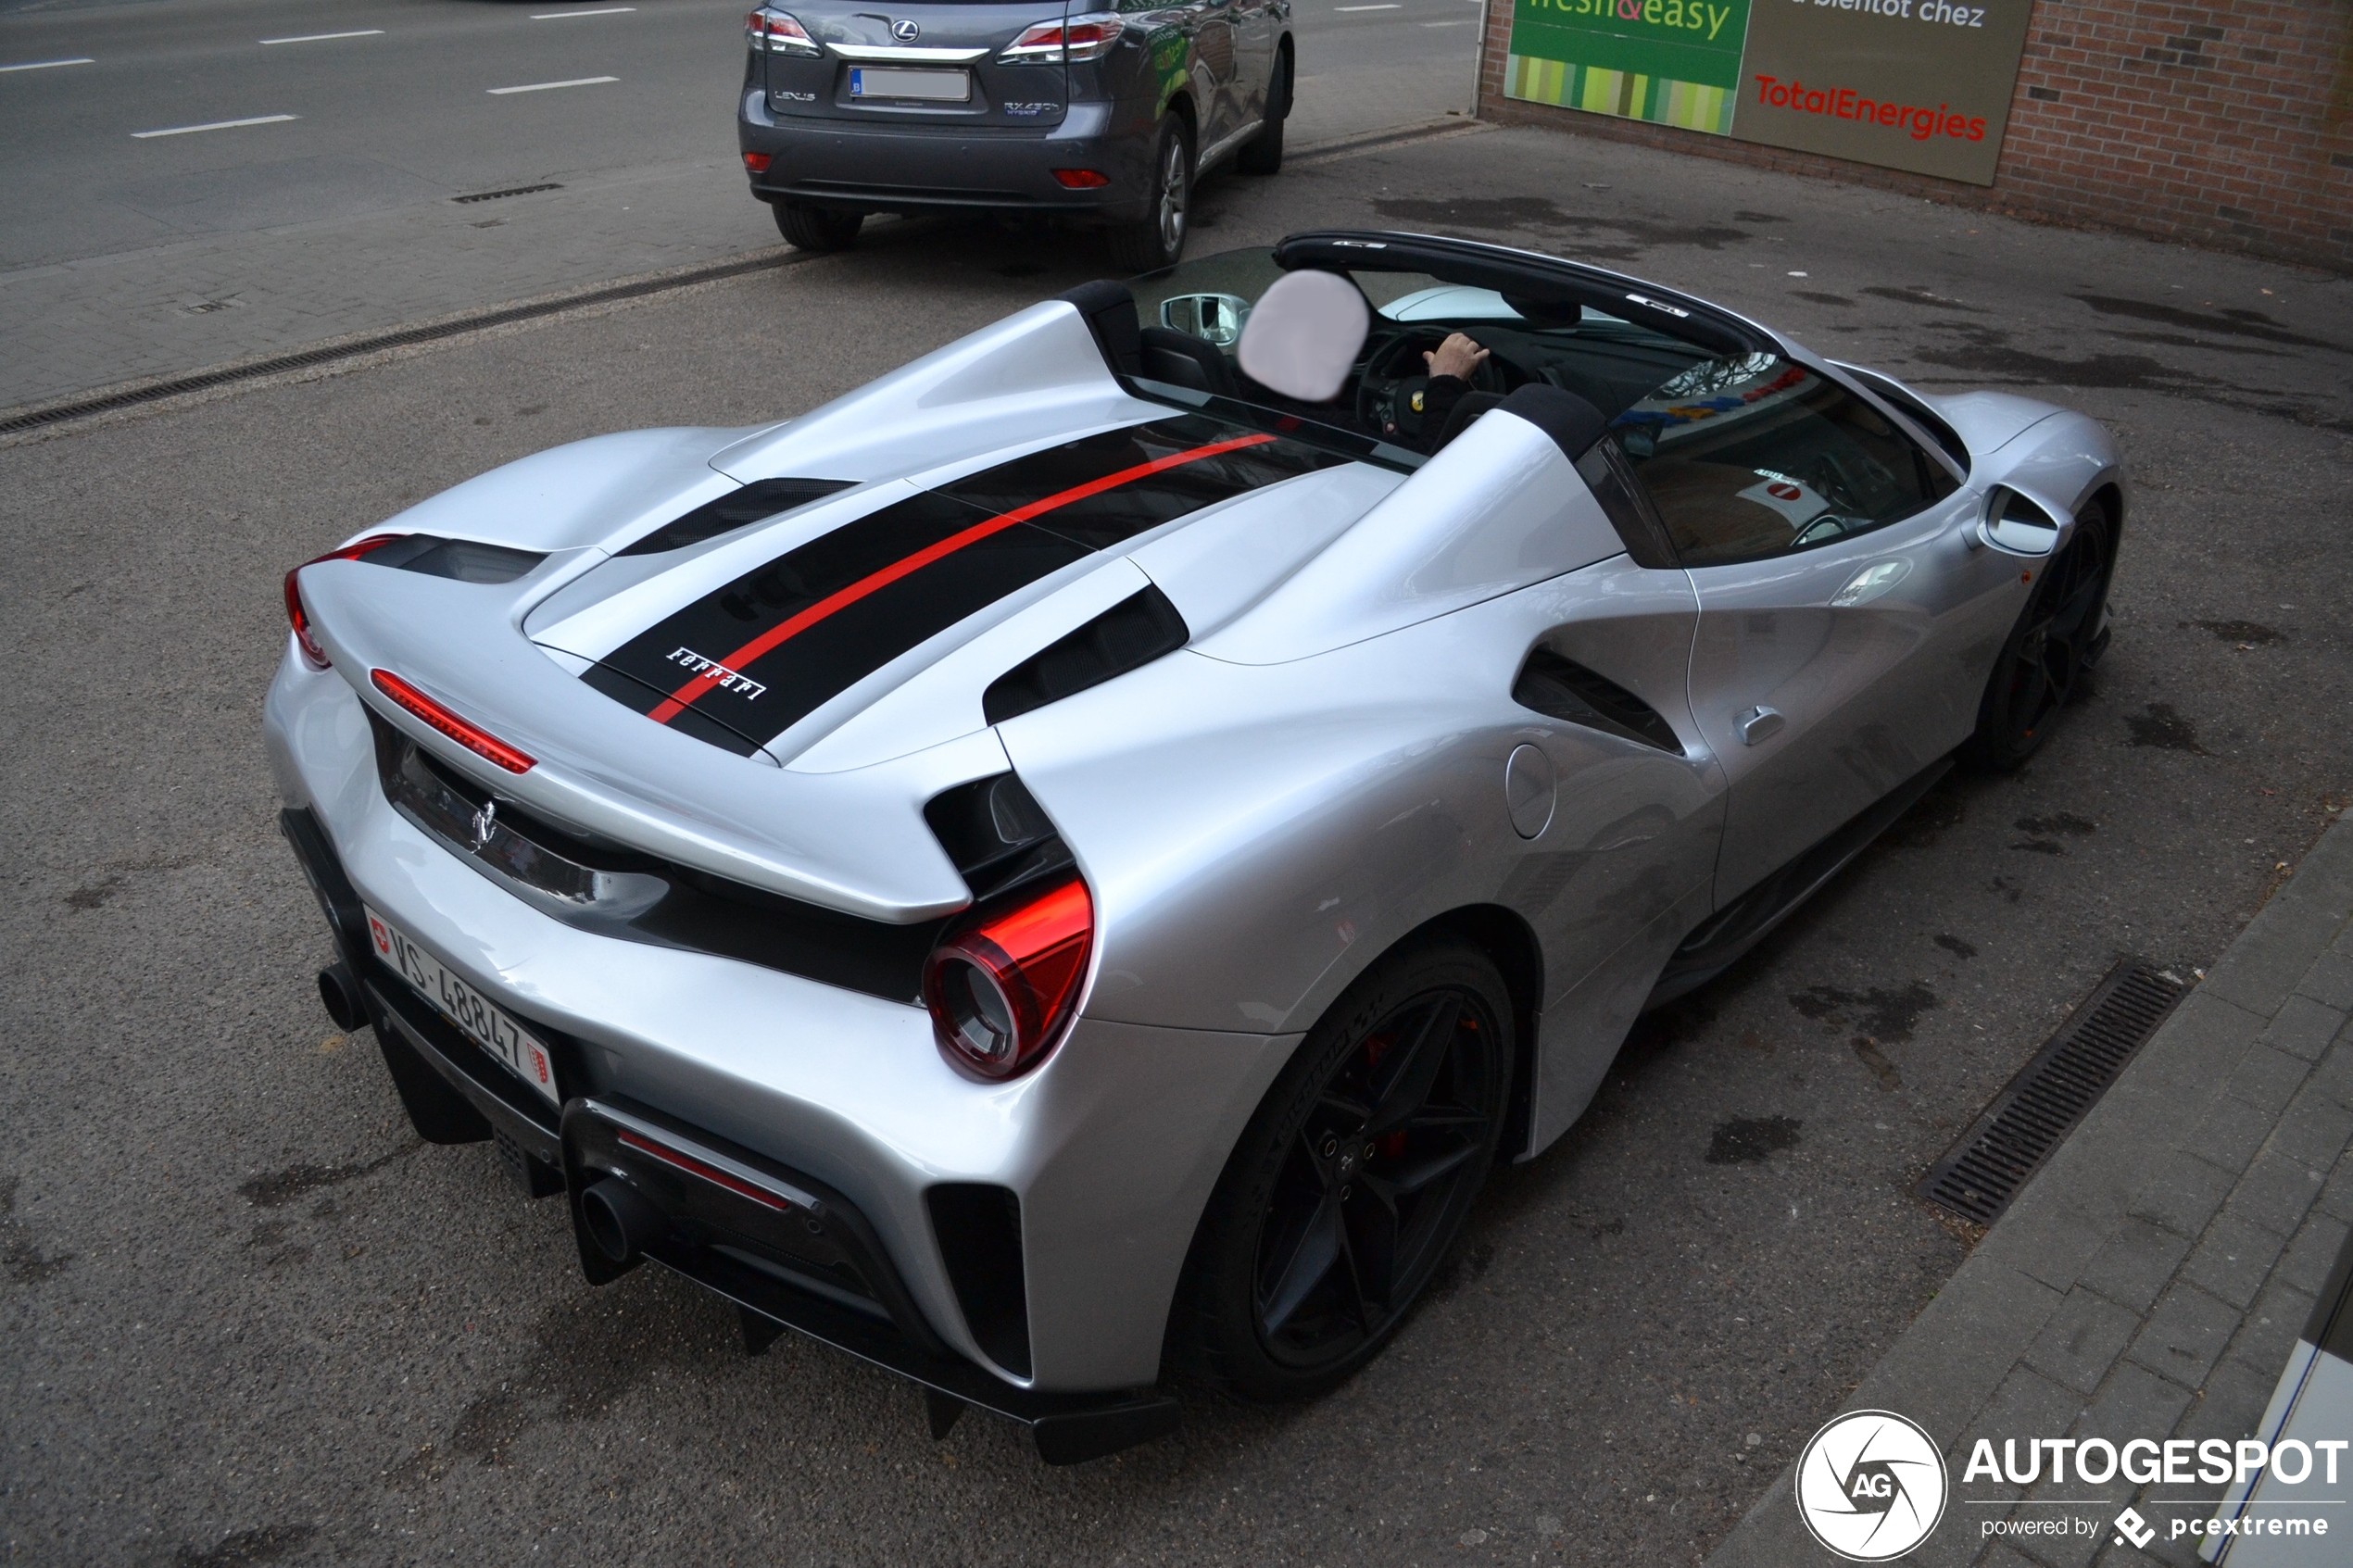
1917, 84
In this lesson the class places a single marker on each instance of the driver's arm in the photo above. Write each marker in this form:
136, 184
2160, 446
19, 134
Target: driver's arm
1457, 358
1451, 365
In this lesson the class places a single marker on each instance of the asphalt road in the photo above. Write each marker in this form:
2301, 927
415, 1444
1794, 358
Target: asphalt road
319, 200
245, 1317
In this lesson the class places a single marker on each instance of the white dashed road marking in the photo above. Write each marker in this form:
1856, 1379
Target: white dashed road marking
324, 37
1368, 7
216, 125
550, 86
48, 64
558, 16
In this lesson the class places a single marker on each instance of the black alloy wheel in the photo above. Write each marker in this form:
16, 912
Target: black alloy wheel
1157, 240
1356, 1177
2056, 639
817, 228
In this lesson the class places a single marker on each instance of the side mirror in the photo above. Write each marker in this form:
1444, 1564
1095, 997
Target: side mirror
1213, 318
2016, 526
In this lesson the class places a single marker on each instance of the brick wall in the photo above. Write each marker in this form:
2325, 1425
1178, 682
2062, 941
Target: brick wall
2227, 124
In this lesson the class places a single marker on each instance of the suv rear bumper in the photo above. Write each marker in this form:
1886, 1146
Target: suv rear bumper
922, 169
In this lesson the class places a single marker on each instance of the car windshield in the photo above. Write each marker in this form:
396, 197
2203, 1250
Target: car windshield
1193, 315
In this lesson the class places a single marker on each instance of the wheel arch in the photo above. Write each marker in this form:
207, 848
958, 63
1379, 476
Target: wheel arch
1507, 938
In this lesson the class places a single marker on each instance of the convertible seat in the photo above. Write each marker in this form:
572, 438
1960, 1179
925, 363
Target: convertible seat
1182, 359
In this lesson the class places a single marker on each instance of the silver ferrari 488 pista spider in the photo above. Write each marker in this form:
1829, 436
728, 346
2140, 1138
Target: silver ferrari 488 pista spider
1079, 855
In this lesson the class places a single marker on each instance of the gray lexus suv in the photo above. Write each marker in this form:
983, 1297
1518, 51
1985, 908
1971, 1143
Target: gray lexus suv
1108, 115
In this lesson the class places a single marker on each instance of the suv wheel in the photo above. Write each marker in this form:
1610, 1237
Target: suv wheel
817, 228
1264, 153
1159, 239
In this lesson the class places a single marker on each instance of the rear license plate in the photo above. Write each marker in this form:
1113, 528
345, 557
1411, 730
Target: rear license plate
478, 1018
935, 86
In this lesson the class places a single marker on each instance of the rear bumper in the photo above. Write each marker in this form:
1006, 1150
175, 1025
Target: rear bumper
786, 1250
920, 169
1107, 1152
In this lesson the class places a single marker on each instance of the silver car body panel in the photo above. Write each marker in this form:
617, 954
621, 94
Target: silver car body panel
1258, 816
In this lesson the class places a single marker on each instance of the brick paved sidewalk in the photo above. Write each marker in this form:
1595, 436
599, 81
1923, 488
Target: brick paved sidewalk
2151, 1280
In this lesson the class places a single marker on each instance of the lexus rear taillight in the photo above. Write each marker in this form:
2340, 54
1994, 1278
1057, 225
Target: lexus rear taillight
312, 654
1074, 38
1002, 989
474, 738
778, 33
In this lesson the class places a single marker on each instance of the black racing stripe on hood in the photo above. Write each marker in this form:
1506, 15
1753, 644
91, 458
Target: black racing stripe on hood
767, 693
632, 693
1114, 516
760, 653
756, 502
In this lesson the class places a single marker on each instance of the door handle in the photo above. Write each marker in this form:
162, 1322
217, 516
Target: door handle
1758, 724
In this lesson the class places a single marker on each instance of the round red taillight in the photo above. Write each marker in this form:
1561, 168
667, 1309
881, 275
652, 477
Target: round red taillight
1002, 988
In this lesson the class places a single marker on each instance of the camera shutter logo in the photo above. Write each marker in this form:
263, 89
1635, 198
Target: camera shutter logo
1870, 1485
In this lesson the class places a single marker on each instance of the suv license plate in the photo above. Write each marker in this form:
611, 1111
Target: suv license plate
936, 86
478, 1018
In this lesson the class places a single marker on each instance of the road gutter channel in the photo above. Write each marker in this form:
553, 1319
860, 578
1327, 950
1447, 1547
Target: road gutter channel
2067, 1318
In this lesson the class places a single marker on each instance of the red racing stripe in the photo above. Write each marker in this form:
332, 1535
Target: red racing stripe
842, 598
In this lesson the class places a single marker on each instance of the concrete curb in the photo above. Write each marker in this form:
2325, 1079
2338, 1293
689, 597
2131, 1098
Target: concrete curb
2149, 1281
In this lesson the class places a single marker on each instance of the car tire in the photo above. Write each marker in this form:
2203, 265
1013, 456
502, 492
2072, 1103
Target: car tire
1158, 240
817, 228
1264, 153
2058, 637
1330, 1219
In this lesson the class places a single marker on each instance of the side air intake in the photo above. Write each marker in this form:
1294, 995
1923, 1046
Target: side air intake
1128, 635
979, 1231
997, 834
1567, 691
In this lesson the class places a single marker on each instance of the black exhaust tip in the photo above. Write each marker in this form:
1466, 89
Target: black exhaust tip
620, 1221
340, 992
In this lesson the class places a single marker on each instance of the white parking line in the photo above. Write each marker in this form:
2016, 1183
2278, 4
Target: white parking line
324, 37
550, 86
1368, 7
557, 16
216, 125
48, 64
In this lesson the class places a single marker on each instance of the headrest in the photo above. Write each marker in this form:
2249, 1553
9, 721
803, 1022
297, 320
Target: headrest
1302, 336
1110, 311
1573, 423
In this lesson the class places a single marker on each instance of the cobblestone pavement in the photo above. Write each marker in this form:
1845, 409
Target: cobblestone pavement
2151, 1280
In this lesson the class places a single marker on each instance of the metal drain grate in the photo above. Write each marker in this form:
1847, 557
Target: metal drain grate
502, 196
474, 322
2032, 1116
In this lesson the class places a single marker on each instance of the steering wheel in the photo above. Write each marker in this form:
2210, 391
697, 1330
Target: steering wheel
1390, 390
